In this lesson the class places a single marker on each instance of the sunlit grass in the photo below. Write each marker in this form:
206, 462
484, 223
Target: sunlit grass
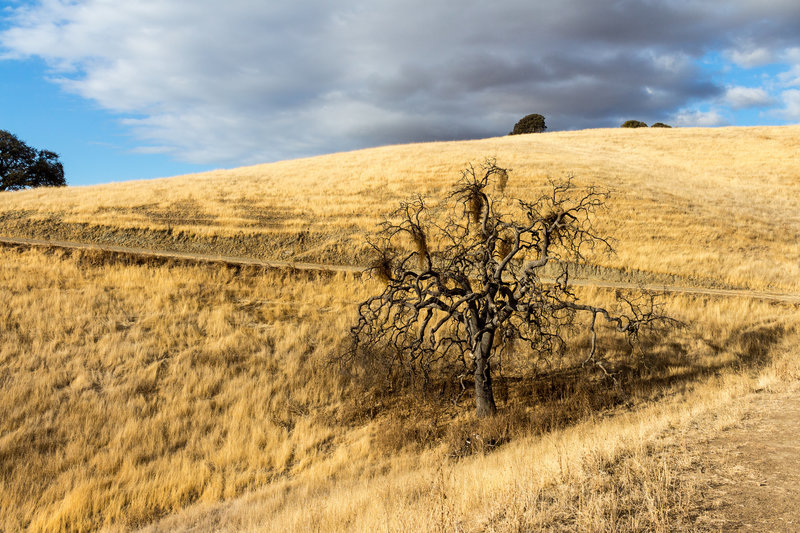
175, 396
720, 205
133, 391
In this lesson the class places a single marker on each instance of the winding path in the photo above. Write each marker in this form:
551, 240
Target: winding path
246, 261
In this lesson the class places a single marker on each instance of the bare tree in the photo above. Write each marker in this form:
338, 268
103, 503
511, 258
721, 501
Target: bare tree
467, 276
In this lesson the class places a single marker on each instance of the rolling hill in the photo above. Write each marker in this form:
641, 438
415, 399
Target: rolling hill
162, 393
720, 205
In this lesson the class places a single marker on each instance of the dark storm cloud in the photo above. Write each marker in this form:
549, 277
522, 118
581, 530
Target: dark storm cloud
247, 82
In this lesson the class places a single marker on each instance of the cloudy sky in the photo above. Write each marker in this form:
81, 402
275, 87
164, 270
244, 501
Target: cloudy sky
149, 88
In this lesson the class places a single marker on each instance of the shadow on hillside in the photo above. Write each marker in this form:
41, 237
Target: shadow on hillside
660, 366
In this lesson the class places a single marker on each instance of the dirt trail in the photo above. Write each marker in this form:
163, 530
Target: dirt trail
754, 469
143, 252
204, 258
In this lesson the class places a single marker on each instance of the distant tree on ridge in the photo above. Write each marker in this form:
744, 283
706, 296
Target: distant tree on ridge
633, 124
533, 123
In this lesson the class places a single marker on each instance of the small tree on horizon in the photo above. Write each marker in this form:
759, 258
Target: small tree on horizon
533, 123
22, 166
633, 124
468, 277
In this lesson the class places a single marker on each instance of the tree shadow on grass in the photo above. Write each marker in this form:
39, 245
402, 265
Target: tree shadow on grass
532, 403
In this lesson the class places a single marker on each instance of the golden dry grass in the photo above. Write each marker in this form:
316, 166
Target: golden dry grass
164, 395
603, 468
721, 205
132, 391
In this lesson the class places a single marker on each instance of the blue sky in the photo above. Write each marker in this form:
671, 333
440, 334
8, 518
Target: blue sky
92, 143
163, 87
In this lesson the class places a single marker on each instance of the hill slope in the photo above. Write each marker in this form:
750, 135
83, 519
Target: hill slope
149, 392
720, 206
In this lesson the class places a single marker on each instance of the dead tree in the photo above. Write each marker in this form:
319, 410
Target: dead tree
467, 276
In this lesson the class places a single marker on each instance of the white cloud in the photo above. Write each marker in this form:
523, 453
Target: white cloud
244, 81
791, 78
747, 97
699, 118
751, 56
206, 82
791, 105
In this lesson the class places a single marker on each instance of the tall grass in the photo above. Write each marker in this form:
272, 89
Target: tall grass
133, 391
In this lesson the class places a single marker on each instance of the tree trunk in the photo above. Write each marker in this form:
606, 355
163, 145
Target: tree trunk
484, 396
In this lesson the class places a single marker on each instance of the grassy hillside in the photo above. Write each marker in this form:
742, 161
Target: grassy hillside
703, 206
132, 391
174, 396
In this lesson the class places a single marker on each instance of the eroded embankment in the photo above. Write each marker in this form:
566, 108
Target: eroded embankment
275, 248
581, 275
